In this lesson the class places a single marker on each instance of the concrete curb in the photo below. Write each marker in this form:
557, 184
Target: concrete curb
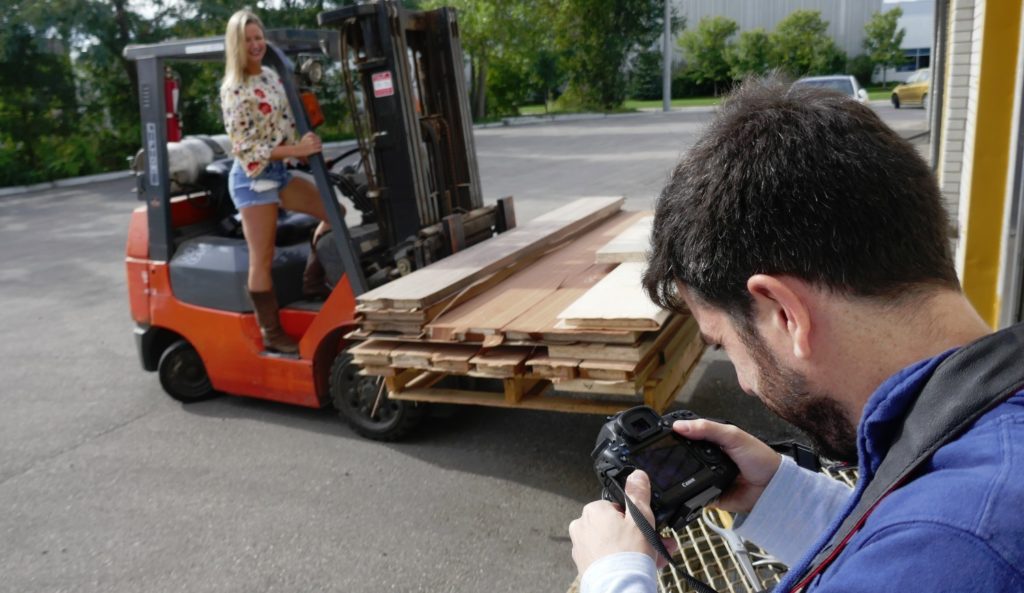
69, 182
525, 120
99, 177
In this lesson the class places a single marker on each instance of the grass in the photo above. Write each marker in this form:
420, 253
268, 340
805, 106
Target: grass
880, 93
630, 105
875, 93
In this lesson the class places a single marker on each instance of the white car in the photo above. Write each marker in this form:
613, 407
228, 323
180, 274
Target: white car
842, 83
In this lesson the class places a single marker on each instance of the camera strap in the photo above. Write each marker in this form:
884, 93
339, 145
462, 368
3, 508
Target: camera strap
652, 538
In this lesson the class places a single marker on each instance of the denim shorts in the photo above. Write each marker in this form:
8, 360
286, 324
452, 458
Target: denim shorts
262, 189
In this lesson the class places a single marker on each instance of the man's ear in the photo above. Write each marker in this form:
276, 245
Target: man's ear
782, 312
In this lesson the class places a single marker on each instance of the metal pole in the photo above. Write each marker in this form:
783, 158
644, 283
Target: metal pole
937, 92
339, 231
666, 61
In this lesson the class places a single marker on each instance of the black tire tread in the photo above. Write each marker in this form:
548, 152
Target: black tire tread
409, 413
201, 391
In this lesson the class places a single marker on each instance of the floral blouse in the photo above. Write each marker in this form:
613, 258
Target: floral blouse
258, 119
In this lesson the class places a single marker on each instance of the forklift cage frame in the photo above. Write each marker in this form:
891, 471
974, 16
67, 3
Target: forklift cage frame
154, 182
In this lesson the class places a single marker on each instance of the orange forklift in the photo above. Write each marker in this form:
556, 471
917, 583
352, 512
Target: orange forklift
412, 177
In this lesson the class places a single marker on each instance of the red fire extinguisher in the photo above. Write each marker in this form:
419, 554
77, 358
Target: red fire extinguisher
171, 100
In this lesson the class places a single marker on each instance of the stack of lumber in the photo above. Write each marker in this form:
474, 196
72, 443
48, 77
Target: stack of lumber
537, 307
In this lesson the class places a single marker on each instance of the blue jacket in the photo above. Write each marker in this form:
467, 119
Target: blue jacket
959, 526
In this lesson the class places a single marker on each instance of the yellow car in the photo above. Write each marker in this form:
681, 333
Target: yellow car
914, 91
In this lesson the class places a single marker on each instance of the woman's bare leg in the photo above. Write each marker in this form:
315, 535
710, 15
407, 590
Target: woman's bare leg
259, 223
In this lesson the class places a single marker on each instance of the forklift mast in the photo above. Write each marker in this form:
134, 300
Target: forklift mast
418, 151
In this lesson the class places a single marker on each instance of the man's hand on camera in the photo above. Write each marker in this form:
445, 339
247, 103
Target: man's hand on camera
603, 529
756, 461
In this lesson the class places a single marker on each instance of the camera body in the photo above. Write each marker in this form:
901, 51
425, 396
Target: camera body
685, 475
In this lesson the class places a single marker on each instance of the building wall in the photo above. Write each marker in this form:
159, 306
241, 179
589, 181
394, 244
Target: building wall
978, 165
963, 52
846, 18
918, 22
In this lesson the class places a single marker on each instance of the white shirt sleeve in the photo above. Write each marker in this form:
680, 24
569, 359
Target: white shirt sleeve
625, 572
794, 510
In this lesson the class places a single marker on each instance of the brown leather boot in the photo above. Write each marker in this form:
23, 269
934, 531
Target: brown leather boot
314, 278
274, 339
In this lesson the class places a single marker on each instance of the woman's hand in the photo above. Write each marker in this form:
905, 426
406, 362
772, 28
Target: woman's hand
308, 145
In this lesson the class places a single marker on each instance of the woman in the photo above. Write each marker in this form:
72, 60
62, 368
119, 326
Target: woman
261, 127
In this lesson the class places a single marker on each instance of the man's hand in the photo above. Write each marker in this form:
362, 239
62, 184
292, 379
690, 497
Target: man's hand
604, 529
756, 461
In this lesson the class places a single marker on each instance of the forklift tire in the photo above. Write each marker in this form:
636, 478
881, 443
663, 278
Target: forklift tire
353, 396
182, 374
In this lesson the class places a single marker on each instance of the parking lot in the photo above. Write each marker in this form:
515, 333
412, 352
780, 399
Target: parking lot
109, 485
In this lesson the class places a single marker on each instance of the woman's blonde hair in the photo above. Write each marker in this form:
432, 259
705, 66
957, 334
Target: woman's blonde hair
234, 46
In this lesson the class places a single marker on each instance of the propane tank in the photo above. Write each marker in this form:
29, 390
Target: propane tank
186, 160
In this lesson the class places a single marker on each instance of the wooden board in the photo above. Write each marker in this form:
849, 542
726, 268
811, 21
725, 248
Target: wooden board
404, 328
506, 361
527, 303
628, 388
378, 370
373, 352
431, 283
413, 356
453, 358
626, 353
552, 403
553, 368
619, 371
618, 301
666, 381
630, 246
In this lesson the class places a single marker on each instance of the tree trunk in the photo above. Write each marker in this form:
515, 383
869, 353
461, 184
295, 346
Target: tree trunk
124, 37
480, 89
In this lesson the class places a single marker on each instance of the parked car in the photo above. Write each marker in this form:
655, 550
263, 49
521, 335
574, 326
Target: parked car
914, 91
842, 83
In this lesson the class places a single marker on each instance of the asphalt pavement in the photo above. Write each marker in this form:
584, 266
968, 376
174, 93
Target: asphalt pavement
106, 484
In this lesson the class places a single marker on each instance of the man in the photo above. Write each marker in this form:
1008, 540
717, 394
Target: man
808, 240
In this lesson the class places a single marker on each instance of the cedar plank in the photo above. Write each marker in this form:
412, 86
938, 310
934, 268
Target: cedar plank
431, 283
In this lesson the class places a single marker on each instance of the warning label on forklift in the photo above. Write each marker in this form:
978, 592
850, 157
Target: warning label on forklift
382, 86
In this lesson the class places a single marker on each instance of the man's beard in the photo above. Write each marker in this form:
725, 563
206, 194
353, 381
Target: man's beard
785, 392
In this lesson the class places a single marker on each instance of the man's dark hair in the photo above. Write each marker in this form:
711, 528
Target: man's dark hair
803, 182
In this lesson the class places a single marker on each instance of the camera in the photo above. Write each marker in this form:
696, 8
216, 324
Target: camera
685, 475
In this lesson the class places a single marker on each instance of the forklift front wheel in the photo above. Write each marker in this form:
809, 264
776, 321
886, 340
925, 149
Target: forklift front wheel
182, 374
355, 395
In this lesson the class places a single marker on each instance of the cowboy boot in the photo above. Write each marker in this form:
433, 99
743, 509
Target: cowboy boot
274, 339
314, 278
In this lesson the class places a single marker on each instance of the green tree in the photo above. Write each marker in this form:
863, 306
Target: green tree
37, 102
862, 68
645, 76
883, 38
596, 38
801, 46
751, 54
509, 45
705, 49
